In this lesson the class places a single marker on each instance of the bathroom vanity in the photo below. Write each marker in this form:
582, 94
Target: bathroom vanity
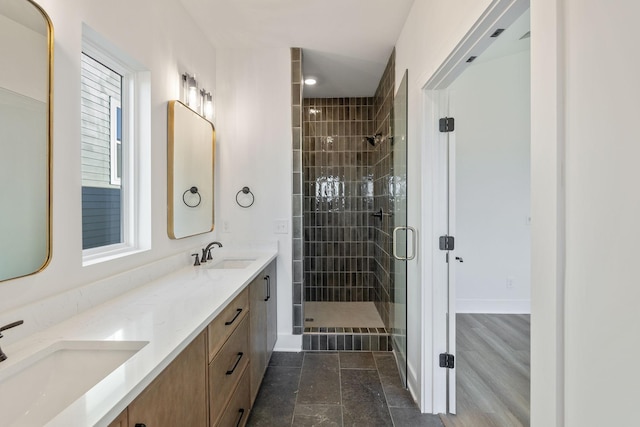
190, 349
220, 371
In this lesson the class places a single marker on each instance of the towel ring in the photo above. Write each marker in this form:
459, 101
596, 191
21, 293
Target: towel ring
245, 190
192, 190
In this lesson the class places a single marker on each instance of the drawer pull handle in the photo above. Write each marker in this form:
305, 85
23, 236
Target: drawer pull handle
241, 411
240, 354
234, 317
268, 283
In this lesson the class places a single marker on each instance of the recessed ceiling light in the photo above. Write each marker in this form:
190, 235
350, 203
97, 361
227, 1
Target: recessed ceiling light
310, 81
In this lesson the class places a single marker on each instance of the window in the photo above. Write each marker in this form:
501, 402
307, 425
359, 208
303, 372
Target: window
114, 108
102, 189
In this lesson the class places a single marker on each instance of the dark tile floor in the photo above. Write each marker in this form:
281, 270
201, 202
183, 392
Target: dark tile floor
335, 389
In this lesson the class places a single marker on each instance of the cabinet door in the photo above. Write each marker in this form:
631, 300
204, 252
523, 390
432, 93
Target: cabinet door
272, 303
178, 396
257, 332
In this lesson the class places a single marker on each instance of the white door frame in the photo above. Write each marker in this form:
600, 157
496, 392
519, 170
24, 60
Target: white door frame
436, 305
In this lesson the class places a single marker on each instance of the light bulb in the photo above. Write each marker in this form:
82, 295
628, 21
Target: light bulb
192, 92
193, 98
208, 106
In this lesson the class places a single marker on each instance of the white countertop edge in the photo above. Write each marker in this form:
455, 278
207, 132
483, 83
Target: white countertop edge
154, 312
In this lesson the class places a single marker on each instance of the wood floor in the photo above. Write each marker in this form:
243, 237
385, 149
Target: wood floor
493, 371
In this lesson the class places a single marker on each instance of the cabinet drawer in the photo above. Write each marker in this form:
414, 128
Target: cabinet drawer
226, 322
226, 369
237, 411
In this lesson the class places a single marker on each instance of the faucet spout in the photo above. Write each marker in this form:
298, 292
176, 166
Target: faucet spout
206, 252
3, 356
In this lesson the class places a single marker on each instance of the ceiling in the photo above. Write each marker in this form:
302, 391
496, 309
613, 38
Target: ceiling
346, 43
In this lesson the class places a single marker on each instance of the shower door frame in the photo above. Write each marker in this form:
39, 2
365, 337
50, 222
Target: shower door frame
400, 238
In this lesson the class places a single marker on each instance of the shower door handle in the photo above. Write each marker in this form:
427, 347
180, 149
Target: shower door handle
413, 243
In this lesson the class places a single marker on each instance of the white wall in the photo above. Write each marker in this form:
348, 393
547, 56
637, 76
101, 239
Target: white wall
254, 150
585, 290
491, 105
432, 30
160, 35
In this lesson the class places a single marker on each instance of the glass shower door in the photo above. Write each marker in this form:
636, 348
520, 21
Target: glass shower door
401, 253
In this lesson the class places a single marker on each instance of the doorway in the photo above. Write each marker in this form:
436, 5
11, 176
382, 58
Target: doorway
482, 193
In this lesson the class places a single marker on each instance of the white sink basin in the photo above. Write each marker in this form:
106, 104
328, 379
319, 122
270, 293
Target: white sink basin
37, 388
232, 263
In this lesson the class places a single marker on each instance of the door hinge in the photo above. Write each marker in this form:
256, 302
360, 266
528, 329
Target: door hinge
447, 243
447, 360
447, 124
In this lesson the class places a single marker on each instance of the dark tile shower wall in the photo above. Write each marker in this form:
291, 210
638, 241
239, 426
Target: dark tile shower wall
297, 196
383, 199
338, 199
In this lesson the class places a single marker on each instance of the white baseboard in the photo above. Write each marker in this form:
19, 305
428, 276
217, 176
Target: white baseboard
495, 306
289, 342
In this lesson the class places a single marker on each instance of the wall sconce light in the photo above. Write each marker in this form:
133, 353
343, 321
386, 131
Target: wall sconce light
208, 106
190, 91
200, 101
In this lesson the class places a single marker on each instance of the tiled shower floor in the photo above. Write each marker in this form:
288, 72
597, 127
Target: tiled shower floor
342, 314
335, 389
350, 326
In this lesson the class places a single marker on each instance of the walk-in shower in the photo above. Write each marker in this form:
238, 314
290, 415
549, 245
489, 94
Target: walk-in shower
347, 269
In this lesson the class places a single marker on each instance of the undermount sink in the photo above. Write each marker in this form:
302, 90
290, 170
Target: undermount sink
40, 386
232, 263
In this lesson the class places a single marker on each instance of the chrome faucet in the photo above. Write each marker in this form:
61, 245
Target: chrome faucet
4, 328
206, 252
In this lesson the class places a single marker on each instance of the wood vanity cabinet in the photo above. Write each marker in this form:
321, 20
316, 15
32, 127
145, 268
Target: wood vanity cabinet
263, 316
178, 396
214, 381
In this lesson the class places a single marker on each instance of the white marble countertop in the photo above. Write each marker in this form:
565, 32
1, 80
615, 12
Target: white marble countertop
167, 312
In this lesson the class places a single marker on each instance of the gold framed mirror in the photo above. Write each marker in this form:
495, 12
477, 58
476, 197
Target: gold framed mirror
26, 49
191, 149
